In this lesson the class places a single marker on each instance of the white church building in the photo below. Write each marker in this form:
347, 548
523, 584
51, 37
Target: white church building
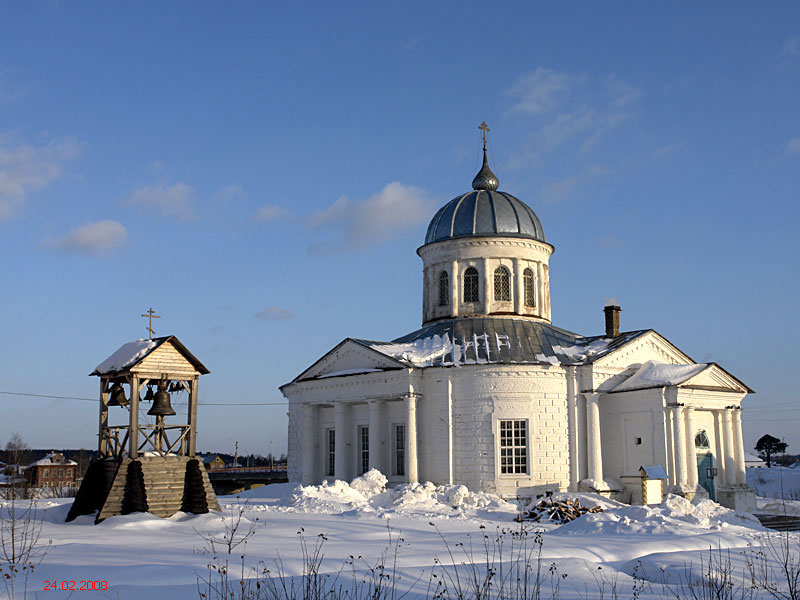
490, 394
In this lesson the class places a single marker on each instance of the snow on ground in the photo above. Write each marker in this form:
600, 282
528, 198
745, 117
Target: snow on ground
777, 490
141, 556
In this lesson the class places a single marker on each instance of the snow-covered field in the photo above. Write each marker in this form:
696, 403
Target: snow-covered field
777, 489
141, 556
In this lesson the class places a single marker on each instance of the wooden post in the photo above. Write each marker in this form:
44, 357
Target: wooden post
193, 415
102, 442
133, 432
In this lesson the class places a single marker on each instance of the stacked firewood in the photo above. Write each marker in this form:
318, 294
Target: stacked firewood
559, 511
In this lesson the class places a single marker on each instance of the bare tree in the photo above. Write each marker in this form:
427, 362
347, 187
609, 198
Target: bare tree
20, 547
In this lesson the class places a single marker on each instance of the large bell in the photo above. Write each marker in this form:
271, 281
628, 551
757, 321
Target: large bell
161, 405
117, 395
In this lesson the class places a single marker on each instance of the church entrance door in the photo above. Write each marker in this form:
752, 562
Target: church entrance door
706, 472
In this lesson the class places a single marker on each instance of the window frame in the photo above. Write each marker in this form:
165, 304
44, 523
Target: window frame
330, 452
399, 450
363, 449
444, 289
471, 287
529, 287
502, 284
514, 447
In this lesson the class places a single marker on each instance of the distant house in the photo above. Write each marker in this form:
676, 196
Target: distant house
753, 461
54, 470
213, 462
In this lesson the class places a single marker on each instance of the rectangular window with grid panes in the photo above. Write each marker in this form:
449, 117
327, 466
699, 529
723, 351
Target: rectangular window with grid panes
513, 447
363, 438
399, 453
331, 453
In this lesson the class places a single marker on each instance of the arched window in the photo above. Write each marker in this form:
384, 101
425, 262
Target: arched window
502, 285
471, 285
444, 289
528, 287
701, 440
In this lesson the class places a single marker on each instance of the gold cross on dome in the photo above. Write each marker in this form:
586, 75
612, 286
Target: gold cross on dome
484, 128
151, 315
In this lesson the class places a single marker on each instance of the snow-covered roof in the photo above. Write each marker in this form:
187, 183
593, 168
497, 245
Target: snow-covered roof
654, 471
751, 458
54, 458
493, 340
128, 355
654, 374
132, 353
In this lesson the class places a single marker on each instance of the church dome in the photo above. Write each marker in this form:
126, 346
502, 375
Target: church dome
485, 211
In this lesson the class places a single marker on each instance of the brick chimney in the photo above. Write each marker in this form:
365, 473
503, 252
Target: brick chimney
612, 320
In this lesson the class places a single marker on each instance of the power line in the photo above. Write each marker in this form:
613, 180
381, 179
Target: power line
96, 399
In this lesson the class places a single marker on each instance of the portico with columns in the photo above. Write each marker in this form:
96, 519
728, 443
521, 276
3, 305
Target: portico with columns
490, 394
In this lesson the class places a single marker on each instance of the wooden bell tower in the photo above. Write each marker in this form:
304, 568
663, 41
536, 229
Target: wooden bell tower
146, 466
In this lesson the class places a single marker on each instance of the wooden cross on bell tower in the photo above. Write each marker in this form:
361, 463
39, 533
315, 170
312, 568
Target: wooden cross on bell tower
151, 315
484, 128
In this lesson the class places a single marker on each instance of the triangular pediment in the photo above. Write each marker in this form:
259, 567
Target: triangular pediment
650, 346
168, 358
714, 377
162, 355
349, 358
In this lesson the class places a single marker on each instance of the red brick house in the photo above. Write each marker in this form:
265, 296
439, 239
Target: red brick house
54, 471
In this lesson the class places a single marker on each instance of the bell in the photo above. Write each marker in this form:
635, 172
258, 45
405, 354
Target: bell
149, 395
117, 395
161, 404
175, 387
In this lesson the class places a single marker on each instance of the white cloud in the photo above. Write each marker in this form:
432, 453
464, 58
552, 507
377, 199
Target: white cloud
540, 91
563, 189
793, 147
25, 168
372, 220
269, 212
274, 313
665, 150
791, 47
231, 193
156, 166
571, 108
99, 239
171, 201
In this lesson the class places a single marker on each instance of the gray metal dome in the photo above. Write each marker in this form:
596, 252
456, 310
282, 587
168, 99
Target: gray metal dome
484, 212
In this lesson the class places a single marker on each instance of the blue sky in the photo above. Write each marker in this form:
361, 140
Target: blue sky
262, 173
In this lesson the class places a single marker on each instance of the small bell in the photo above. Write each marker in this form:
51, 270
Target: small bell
161, 404
175, 387
149, 395
117, 395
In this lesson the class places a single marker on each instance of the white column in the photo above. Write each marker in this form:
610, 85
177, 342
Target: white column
517, 286
730, 464
572, 421
538, 289
594, 450
455, 285
680, 445
426, 296
341, 468
411, 436
488, 286
309, 474
719, 447
671, 468
376, 435
691, 466
738, 447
